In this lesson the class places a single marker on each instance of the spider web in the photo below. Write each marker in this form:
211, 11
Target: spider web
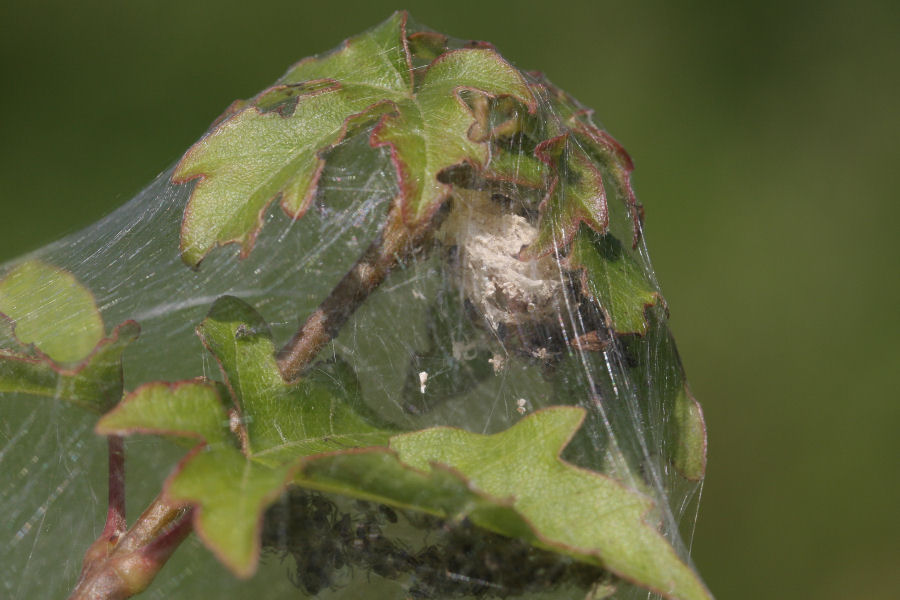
430, 347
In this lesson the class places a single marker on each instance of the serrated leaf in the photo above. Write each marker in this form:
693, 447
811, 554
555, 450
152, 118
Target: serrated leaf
431, 131
230, 493
377, 58
576, 197
610, 154
614, 280
230, 490
251, 158
51, 339
580, 166
232, 479
321, 413
274, 147
94, 384
569, 116
51, 310
514, 483
186, 408
570, 509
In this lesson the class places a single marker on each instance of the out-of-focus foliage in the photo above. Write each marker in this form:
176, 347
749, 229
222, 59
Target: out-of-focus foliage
57, 348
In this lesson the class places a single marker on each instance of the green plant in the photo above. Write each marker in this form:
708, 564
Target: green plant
499, 181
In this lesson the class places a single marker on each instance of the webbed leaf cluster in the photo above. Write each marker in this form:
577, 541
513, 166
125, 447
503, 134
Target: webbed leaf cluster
273, 146
260, 435
451, 116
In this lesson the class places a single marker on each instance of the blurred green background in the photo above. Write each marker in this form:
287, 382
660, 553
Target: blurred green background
765, 139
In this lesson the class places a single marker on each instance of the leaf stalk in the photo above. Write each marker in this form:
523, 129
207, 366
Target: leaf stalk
131, 562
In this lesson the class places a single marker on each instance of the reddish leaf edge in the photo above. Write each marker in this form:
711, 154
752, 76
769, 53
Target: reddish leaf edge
348, 42
22, 347
402, 201
658, 300
580, 124
570, 228
427, 42
247, 571
126, 331
565, 548
249, 241
239, 106
99, 428
625, 165
240, 571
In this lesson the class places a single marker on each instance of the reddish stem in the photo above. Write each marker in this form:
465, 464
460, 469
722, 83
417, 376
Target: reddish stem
116, 524
115, 516
132, 563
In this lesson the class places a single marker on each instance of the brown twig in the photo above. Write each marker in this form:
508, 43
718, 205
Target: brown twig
394, 244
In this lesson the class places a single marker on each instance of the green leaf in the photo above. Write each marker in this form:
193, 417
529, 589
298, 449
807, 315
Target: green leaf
322, 413
186, 408
274, 147
378, 58
573, 510
254, 156
430, 132
51, 339
378, 474
229, 490
427, 45
612, 157
8, 340
515, 167
514, 483
577, 164
664, 397
568, 115
658, 371
576, 196
232, 479
230, 494
52, 310
614, 280
95, 384
688, 436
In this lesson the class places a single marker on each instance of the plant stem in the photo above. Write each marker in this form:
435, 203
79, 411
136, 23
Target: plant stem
394, 244
130, 565
115, 515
